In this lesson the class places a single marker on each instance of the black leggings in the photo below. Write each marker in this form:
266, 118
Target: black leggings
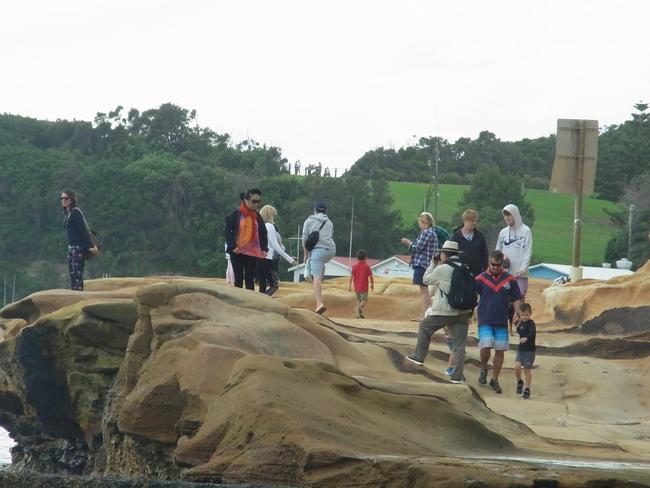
244, 267
264, 277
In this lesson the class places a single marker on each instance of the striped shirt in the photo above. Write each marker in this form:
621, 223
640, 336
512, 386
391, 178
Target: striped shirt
424, 249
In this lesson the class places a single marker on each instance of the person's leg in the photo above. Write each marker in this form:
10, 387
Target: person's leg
518, 371
425, 300
275, 268
318, 258
76, 264
428, 326
485, 357
458, 341
528, 375
238, 269
497, 363
362, 303
249, 271
261, 272
501, 344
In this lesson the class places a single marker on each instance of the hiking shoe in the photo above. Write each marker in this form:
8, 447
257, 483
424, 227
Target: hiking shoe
457, 382
526, 394
482, 378
520, 386
494, 384
411, 357
361, 314
448, 371
271, 291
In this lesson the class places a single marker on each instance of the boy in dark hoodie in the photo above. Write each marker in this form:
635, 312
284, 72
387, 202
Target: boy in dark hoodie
526, 351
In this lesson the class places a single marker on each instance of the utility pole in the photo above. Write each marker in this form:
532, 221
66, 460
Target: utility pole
436, 160
629, 232
351, 228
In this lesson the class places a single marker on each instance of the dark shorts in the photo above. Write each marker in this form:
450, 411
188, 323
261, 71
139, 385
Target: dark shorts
418, 274
526, 358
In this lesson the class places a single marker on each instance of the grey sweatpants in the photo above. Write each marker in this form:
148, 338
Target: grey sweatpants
458, 325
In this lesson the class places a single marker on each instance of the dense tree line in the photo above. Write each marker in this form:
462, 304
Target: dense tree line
156, 187
623, 154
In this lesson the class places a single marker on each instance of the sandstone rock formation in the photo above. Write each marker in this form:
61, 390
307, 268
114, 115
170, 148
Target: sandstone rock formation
188, 378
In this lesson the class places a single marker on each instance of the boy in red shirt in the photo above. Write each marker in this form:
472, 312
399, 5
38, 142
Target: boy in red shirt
361, 273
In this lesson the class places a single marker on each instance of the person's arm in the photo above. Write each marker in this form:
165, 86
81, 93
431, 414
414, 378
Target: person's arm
528, 254
275, 245
499, 246
484, 255
372, 281
263, 235
351, 279
421, 242
79, 223
432, 274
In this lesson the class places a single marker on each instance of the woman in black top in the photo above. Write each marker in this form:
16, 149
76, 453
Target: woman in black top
78, 236
472, 243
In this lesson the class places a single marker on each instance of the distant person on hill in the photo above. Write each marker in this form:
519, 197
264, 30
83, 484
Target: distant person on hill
526, 350
497, 289
78, 236
423, 251
515, 241
246, 238
265, 266
441, 314
323, 250
472, 243
360, 276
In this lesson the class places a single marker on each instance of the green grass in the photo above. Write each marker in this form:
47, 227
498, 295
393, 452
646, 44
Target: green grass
553, 229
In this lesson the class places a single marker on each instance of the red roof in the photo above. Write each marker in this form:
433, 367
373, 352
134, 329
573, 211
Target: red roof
349, 262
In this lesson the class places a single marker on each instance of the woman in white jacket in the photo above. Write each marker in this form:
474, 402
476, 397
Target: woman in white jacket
265, 266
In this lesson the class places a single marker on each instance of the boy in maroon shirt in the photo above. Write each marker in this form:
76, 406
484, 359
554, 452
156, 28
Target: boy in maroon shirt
361, 274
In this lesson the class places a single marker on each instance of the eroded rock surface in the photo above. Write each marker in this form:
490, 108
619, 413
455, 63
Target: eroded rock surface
180, 378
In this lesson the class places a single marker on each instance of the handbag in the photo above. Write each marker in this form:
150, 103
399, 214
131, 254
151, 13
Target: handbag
312, 238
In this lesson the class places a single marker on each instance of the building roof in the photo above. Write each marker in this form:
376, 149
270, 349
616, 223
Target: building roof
347, 262
588, 272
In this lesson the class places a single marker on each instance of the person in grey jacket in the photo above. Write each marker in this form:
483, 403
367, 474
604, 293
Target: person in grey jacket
323, 251
441, 314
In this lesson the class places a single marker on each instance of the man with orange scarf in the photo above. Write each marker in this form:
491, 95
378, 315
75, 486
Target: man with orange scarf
246, 239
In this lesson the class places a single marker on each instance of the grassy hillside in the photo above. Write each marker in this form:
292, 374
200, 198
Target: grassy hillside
553, 229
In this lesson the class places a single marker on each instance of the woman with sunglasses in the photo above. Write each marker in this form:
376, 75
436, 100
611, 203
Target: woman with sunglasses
246, 238
78, 236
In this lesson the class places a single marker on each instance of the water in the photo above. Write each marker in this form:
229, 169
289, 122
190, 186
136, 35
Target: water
5, 444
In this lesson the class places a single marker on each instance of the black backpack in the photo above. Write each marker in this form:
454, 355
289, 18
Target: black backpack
463, 292
312, 238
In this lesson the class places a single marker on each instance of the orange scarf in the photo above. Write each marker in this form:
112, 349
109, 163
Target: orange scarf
248, 240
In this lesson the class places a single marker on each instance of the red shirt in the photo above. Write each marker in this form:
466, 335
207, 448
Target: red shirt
360, 273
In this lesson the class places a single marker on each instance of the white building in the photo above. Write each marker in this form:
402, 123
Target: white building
393, 267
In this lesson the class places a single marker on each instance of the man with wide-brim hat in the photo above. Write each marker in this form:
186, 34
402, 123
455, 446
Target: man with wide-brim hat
441, 314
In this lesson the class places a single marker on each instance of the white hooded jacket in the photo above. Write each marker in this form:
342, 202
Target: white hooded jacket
516, 243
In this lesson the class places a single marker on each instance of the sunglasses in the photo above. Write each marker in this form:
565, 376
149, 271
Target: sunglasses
496, 265
255, 202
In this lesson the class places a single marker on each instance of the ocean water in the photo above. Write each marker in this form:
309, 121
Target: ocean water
5, 444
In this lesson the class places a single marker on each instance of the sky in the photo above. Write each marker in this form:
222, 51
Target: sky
327, 81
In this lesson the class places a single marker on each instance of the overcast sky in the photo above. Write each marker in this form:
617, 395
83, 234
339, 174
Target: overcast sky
327, 81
